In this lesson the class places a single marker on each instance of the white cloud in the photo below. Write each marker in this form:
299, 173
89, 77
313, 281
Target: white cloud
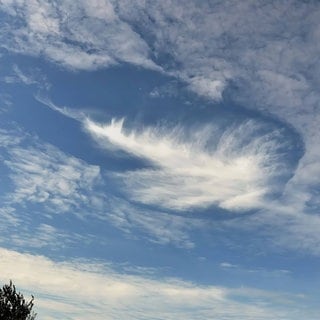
83, 290
289, 226
8, 138
76, 115
228, 265
41, 236
9, 218
233, 172
83, 35
208, 88
261, 272
24, 78
19, 76
43, 174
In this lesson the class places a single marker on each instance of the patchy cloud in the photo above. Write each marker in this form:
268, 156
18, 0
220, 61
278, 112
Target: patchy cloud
78, 35
45, 175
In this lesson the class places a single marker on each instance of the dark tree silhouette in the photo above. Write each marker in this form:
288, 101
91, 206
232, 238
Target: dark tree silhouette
13, 306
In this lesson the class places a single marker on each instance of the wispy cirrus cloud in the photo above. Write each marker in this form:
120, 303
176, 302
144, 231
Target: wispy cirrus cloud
37, 237
9, 138
261, 272
154, 225
8, 216
26, 79
205, 168
108, 294
287, 225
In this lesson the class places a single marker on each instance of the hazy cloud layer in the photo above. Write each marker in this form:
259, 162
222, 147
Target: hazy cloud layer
83, 290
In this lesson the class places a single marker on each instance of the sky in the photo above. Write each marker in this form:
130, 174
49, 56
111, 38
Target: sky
160, 159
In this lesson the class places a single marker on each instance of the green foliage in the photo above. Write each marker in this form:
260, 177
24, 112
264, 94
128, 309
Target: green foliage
13, 306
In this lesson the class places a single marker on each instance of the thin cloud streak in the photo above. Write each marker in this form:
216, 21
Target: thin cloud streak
67, 112
153, 225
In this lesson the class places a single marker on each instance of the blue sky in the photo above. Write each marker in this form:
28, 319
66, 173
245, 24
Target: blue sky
160, 159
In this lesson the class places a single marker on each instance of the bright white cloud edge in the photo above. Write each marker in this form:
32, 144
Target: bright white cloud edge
190, 173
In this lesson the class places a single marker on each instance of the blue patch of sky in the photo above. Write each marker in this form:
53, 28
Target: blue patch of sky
6, 185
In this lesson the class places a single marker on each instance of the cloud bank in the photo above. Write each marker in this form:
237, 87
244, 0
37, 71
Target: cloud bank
83, 290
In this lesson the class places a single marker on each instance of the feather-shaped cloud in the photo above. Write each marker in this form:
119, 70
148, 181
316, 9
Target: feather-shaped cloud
234, 173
